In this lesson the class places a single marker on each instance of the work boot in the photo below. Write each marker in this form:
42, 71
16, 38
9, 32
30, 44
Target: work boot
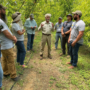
0, 88
50, 57
6, 75
41, 57
15, 79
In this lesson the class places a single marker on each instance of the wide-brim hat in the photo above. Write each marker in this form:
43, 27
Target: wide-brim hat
16, 17
2, 7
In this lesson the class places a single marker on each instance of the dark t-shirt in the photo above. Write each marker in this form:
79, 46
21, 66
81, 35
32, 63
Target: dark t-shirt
67, 25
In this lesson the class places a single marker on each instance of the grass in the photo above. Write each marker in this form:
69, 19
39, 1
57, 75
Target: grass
77, 79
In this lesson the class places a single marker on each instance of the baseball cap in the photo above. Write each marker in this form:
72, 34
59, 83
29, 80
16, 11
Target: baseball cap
77, 12
60, 18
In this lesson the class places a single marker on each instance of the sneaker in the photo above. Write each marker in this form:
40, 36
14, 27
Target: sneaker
15, 79
24, 66
6, 75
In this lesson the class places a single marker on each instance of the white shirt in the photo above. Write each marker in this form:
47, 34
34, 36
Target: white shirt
5, 42
15, 28
76, 27
47, 27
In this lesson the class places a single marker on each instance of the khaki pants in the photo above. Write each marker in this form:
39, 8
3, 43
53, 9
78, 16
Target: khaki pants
8, 62
46, 39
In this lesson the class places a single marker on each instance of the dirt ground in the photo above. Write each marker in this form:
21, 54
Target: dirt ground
46, 74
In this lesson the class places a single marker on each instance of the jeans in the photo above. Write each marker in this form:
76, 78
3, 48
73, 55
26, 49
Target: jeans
0, 53
21, 52
58, 35
64, 41
30, 41
74, 53
1, 75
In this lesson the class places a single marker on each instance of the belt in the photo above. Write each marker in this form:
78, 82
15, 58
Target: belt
46, 34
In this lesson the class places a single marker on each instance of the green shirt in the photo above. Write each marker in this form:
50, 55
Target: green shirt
28, 24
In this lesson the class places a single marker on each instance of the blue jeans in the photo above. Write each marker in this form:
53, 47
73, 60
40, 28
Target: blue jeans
1, 75
30, 41
0, 53
21, 52
74, 53
58, 35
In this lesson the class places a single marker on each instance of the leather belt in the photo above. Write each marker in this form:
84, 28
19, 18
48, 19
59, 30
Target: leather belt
46, 34
58, 32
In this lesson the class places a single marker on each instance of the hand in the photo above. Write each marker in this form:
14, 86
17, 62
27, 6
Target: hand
23, 30
63, 35
35, 27
68, 40
42, 25
14, 39
73, 44
31, 27
52, 25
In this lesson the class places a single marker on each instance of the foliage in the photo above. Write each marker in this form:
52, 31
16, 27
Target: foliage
57, 8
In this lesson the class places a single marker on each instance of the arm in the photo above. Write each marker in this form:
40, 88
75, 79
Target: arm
39, 28
9, 36
68, 31
20, 33
78, 38
69, 36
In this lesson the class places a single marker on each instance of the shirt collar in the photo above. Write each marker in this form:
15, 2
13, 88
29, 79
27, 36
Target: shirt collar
46, 22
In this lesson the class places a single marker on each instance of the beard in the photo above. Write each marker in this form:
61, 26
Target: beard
47, 20
3, 16
75, 18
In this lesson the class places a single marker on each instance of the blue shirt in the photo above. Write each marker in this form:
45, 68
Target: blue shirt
28, 24
5, 42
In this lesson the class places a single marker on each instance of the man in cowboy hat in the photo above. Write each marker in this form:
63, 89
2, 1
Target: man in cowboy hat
30, 25
65, 33
46, 28
7, 40
75, 39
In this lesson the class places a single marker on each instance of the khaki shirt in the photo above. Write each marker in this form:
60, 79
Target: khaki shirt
47, 27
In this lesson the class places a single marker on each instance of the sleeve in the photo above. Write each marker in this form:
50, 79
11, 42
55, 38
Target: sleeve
36, 24
3, 26
81, 27
16, 27
39, 28
26, 24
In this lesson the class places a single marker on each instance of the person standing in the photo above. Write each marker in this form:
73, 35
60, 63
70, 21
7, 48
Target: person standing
7, 40
30, 25
65, 34
1, 71
76, 38
19, 33
46, 28
58, 27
